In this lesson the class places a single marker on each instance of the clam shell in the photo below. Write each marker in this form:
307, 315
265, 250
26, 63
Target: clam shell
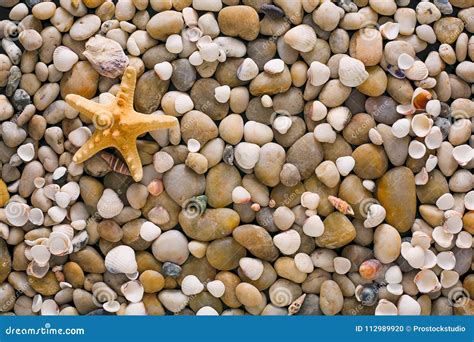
445, 201
369, 185
442, 237
452, 222
248, 70
431, 163
163, 70
73, 189
420, 99
282, 124
313, 226
49, 308
318, 73
393, 275
342, 265
416, 149
40, 254
421, 239
405, 61
251, 267
318, 111
183, 103
222, 93
396, 289
417, 72
121, 259
65, 229
301, 38
36, 216
390, 30
36, 270
240, 195
37, 302
106, 56
190, 285
463, 154
469, 200
174, 43
324, 133
426, 281
112, 306
448, 278
352, 72
149, 231
287, 242
26, 152
193, 145
216, 288
464, 240
109, 204
434, 138
303, 263
59, 243
386, 308
64, 58
246, 155
446, 260
207, 311
196, 59
339, 117
433, 107
375, 216
133, 291
421, 125
414, 255
310, 200
375, 137
401, 128
430, 259
57, 214
408, 306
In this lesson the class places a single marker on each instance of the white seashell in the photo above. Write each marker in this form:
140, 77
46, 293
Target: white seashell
408, 306
59, 173
112, 306
386, 308
26, 152
442, 237
190, 285
431, 163
121, 259
193, 145
375, 216
109, 204
163, 70
393, 275
287, 242
79, 224
232, 47
40, 254
318, 74
417, 72
407, 109
57, 214
62, 199
396, 289
133, 291
421, 239
174, 43
37, 303
434, 138
433, 108
39, 182
59, 243
198, 248
390, 30
448, 278
135, 309
422, 177
36, 216
65, 285
452, 222
352, 72
282, 124
216, 288
414, 255
207, 311
209, 52
222, 93
446, 260
183, 103
430, 259
426, 281
274, 66
318, 111
240, 195
50, 190
469, 200
17, 213
106, 56
324, 133
342, 265
463, 154
303, 263
339, 117
369, 185
149, 231
246, 155
421, 125
193, 33
427, 83
267, 101
248, 70
73, 189
401, 128
310, 200
49, 308
464, 240
375, 137
313, 226
405, 61
416, 149
64, 58
301, 38
195, 59
36, 270
251, 267
445, 202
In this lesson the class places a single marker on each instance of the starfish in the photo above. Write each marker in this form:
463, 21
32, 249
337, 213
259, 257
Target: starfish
117, 124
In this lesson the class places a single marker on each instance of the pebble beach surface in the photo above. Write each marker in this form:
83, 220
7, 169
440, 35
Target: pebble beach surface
226, 157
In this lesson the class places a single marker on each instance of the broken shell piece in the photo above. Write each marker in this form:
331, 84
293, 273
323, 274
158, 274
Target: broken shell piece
452, 222
121, 259
386, 308
222, 93
421, 125
375, 216
310, 200
352, 72
446, 260
463, 154
421, 239
445, 201
40, 254
163, 70
390, 30
274, 66
434, 138
247, 70
405, 61
420, 98
341, 205
149, 231
422, 177
442, 237
448, 278
464, 240
59, 244
313, 226
318, 74
133, 291
426, 281
251, 267
240, 195
416, 149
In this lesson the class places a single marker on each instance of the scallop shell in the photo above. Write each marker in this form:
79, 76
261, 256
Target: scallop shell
313, 226
133, 291
318, 74
251, 267
149, 231
17, 213
163, 70
301, 38
416, 149
463, 154
442, 237
390, 30
310, 200
448, 278
352, 72
274, 66
40, 254
240, 195
59, 243
191, 285
386, 308
64, 58
426, 281
434, 138
109, 204
246, 155
446, 260
287, 242
106, 56
248, 70
401, 128
417, 72
121, 259
375, 216
49, 308
421, 125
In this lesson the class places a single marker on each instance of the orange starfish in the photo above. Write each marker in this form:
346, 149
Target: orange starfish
118, 125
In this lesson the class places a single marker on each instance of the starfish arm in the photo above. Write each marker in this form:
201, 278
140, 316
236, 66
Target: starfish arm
86, 107
95, 144
143, 123
132, 158
127, 87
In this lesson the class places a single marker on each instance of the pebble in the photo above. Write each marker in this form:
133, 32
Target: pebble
331, 298
239, 21
338, 232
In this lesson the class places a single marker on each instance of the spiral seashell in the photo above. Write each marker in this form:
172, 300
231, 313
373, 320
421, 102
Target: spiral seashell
102, 293
295, 307
280, 295
121, 259
375, 216
17, 213
458, 297
114, 163
195, 206
106, 56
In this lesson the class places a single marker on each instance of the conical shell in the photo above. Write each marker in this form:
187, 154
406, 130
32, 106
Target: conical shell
121, 259
301, 38
352, 72
64, 58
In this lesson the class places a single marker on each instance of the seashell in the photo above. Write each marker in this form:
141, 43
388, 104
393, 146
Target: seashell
183, 103
421, 125
393, 275
390, 30
395, 71
448, 278
106, 56
417, 72
430, 259
255, 207
416, 149
469, 200
240, 195
62, 199
17, 213
370, 269
341, 205
431, 163
195, 59
375, 137
318, 111
190, 285
282, 124
463, 154
49, 308
295, 307
287, 242
352, 72
405, 61
216, 288
36, 303
408, 306
59, 173
386, 308
155, 188
112, 306
342, 265
26, 152
446, 260
406, 109
135, 309
207, 311
80, 241
442, 237
401, 128
422, 177
318, 74
64, 58
369, 185
375, 216
396, 289
222, 93
248, 70
310, 200
109, 204
464, 240
174, 43
434, 138
209, 52
414, 255
452, 222
421, 239
36, 270
303, 263
40, 254
50, 190
197, 248
433, 107
313, 226
274, 66
426, 281
59, 243
163, 70
36, 216
133, 291
121, 259
420, 99
193, 145
193, 33
39, 182
324, 133
339, 117
445, 201
149, 231
246, 155
251, 267
301, 38
266, 101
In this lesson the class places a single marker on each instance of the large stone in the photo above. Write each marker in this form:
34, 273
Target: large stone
82, 80
213, 224
257, 241
271, 84
5, 261
431, 191
149, 91
224, 254
370, 161
387, 243
182, 183
338, 232
306, 154
220, 181
239, 21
